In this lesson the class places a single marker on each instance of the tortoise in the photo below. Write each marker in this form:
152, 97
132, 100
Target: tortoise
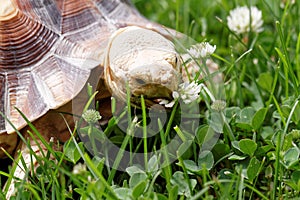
50, 49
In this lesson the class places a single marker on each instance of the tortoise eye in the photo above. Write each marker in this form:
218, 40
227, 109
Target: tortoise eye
140, 81
177, 62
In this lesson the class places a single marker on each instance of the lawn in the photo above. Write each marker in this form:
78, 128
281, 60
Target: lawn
240, 139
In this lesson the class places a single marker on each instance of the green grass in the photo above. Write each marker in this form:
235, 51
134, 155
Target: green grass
254, 142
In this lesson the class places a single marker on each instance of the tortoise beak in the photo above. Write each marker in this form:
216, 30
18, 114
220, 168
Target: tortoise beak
152, 93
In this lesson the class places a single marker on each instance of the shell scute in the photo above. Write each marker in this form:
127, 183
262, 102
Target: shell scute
78, 14
24, 42
46, 12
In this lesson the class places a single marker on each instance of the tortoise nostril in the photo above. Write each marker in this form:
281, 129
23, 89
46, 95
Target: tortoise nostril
140, 81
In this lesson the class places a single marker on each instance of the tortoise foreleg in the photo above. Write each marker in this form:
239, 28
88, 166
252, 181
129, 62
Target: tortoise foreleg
34, 152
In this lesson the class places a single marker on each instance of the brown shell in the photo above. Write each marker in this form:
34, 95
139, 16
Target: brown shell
47, 49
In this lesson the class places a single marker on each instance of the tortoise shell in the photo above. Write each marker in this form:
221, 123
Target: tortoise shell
48, 48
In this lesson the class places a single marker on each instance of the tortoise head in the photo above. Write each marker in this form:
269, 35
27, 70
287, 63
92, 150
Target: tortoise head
143, 61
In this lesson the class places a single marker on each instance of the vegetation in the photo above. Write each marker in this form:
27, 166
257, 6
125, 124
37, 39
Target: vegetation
246, 149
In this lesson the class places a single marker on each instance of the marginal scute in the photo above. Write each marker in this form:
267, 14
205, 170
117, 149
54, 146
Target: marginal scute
2, 101
68, 80
17, 85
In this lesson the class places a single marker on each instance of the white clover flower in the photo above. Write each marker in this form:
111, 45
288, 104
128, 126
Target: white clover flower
239, 20
188, 92
202, 50
91, 116
79, 168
